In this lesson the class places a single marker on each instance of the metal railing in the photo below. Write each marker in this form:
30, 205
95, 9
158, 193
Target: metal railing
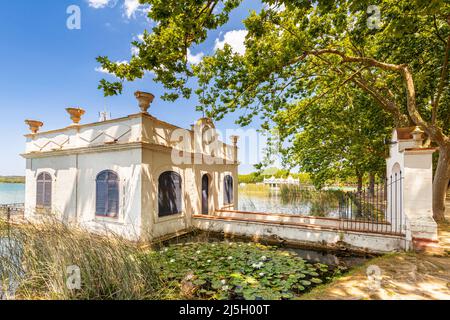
8, 211
374, 209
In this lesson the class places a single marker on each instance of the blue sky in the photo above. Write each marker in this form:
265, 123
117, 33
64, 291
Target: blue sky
45, 67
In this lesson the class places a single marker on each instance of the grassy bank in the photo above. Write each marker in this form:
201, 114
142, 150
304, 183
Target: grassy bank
111, 268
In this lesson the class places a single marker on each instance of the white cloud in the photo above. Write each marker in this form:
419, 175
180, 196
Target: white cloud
130, 7
140, 37
98, 4
134, 51
194, 58
101, 70
235, 39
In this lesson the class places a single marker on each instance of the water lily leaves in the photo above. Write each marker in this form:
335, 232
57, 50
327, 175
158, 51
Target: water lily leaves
199, 282
240, 270
305, 282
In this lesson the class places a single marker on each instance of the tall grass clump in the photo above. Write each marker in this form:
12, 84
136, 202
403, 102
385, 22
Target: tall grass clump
111, 268
255, 189
320, 201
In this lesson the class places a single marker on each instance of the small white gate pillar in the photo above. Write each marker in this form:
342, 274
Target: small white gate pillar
415, 165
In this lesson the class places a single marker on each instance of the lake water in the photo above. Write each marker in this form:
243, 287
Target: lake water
12, 193
248, 201
272, 202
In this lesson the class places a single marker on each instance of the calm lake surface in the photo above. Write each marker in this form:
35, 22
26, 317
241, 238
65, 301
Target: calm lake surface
261, 201
273, 202
12, 193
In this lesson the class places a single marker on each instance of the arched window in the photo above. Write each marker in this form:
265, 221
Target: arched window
228, 190
205, 194
44, 191
169, 194
107, 194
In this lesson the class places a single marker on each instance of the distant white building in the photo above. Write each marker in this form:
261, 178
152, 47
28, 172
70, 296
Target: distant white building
125, 175
275, 183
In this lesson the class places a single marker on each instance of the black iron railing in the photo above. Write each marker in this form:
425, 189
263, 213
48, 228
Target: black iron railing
376, 208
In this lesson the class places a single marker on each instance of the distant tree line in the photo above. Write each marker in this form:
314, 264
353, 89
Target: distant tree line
12, 179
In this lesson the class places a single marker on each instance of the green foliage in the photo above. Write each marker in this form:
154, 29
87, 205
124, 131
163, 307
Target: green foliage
253, 177
315, 73
239, 270
341, 137
179, 24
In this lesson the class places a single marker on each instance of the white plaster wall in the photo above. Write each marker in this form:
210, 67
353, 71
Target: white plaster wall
418, 194
120, 131
261, 231
63, 172
127, 164
76, 155
74, 189
156, 164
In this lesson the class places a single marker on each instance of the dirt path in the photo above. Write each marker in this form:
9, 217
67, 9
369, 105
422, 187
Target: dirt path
402, 276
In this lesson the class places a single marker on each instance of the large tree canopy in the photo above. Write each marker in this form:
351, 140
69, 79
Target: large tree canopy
299, 53
341, 136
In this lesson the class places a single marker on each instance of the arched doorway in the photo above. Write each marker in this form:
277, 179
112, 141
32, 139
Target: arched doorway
205, 194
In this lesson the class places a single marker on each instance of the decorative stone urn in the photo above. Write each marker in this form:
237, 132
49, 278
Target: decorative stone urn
75, 115
418, 136
144, 99
34, 125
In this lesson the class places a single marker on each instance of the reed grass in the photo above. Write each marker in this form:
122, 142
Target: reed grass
321, 201
111, 268
255, 188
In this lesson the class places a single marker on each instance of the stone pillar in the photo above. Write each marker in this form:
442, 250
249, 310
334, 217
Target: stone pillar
413, 163
418, 197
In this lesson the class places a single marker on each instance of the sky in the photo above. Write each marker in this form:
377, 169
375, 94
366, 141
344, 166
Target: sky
46, 67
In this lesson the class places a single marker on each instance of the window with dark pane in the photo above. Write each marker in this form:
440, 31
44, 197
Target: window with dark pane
44, 191
228, 190
169, 194
107, 194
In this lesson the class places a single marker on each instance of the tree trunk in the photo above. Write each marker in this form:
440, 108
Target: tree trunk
360, 182
371, 184
440, 183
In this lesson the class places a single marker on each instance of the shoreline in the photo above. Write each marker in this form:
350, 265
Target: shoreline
12, 180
